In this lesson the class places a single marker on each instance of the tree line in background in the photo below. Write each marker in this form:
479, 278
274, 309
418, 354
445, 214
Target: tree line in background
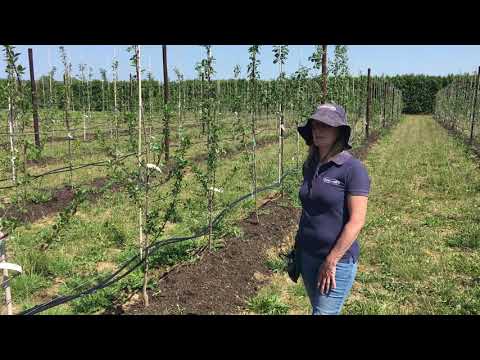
418, 91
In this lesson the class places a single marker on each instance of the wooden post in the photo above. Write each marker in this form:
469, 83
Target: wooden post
324, 74
360, 93
374, 91
115, 108
393, 102
455, 118
165, 91
353, 100
369, 100
471, 91
131, 94
384, 104
474, 105
34, 99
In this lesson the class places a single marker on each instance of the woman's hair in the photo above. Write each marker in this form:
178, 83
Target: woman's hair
313, 159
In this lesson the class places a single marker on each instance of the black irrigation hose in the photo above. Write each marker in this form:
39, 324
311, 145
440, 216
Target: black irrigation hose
5, 283
67, 168
106, 130
111, 279
66, 298
95, 127
73, 129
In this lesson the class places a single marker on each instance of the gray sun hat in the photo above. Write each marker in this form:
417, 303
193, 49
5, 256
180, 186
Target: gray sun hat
330, 114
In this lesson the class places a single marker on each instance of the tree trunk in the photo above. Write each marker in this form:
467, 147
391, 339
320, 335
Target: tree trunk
385, 104
474, 106
369, 101
115, 108
44, 98
50, 88
67, 101
88, 102
165, 89
103, 96
11, 130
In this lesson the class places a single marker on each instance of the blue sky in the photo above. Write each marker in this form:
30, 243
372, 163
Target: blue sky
382, 59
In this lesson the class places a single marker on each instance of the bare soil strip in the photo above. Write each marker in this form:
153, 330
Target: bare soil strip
221, 281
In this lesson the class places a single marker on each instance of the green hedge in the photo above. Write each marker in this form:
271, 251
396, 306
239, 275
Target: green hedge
419, 91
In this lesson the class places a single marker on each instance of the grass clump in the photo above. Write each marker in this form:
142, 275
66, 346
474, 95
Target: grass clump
268, 304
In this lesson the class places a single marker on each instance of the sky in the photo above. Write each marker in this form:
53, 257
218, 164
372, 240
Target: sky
382, 59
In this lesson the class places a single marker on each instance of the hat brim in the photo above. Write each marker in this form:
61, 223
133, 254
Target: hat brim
306, 133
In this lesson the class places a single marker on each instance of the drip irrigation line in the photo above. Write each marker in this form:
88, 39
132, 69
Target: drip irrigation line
5, 283
113, 278
49, 132
67, 169
125, 133
190, 123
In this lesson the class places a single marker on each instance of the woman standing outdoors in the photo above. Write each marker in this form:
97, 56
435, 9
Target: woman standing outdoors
334, 197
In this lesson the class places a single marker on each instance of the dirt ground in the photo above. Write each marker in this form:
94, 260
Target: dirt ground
60, 200
220, 282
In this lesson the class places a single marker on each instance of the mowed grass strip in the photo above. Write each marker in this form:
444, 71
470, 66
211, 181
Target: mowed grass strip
420, 247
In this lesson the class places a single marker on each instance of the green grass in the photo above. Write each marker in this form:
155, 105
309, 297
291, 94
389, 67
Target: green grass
420, 245
423, 214
275, 264
268, 304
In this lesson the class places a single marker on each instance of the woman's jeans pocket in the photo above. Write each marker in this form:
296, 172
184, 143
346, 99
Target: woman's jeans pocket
332, 302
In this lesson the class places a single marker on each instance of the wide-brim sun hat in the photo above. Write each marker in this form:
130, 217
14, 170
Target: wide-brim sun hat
331, 115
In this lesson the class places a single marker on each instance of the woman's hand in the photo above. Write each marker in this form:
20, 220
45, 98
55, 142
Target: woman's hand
326, 275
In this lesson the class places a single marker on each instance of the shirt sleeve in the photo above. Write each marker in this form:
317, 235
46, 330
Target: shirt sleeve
358, 181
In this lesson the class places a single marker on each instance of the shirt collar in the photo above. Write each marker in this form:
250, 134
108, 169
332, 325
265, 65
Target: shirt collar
341, 157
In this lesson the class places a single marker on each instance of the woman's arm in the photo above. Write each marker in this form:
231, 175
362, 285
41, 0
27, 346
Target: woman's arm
357, 206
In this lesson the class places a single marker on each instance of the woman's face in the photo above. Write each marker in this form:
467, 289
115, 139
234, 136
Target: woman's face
323, 135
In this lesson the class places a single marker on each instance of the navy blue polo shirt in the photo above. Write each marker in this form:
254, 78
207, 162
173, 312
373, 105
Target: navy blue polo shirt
323, 195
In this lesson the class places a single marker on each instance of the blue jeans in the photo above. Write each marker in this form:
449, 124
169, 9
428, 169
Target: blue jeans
330, 303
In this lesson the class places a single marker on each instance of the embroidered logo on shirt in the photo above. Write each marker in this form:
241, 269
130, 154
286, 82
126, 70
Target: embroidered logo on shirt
331, 181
